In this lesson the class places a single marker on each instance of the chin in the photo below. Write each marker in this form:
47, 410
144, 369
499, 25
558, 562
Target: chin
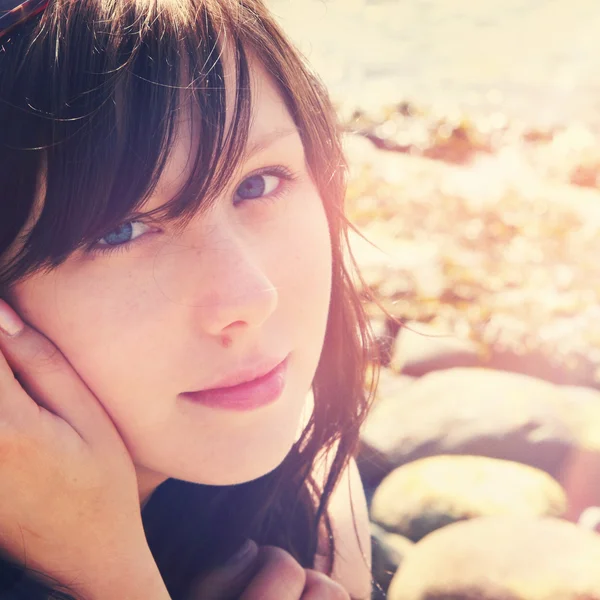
264, 450
235, 457
235, 466
255, 465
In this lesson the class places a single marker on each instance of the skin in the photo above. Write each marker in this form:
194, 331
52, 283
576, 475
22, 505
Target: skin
177, 311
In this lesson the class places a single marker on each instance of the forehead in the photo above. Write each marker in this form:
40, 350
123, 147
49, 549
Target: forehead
269, 121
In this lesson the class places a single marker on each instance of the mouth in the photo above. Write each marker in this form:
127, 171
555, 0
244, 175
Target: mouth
248, 394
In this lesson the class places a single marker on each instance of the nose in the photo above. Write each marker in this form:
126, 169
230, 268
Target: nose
238, 294
224, 280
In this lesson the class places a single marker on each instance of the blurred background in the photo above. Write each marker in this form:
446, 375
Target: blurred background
472, 132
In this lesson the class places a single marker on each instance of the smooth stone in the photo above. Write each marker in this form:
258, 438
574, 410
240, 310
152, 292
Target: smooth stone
502, 558
388, 552
425, 495
472, 411
420, 349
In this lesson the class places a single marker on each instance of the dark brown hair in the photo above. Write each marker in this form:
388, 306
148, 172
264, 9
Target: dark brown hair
88, 96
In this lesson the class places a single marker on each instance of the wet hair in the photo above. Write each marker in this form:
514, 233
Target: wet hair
89, 97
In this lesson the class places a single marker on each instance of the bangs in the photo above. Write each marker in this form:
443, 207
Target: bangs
99, 122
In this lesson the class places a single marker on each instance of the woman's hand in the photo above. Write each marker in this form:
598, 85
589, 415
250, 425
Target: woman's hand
69, 502
265, 573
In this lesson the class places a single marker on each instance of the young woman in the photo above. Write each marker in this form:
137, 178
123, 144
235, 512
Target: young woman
174, 281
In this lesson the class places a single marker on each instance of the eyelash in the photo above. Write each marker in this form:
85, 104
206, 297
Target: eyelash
283, 173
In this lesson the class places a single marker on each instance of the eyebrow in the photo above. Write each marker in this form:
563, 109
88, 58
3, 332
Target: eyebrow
267, 140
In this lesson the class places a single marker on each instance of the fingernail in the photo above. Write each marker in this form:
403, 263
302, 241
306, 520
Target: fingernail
10, 324
246, 553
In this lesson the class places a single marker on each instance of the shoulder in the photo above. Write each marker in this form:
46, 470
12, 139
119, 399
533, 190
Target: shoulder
350, 526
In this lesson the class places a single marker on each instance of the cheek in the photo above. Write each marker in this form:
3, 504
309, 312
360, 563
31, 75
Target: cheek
307, 267
77, 313
309, 289
41, 302
103, 339
91, 325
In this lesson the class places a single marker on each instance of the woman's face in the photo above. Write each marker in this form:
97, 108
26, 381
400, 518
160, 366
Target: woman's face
177, 311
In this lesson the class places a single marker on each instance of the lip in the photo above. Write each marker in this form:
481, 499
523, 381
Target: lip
245, 390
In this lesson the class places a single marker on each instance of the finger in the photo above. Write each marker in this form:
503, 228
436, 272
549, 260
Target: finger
279, 577
46, 375
228, 581
14, 402
319, 586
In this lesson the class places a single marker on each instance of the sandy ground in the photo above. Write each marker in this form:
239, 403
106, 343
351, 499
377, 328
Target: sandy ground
535, 60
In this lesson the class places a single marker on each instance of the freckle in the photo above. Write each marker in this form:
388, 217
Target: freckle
225, 341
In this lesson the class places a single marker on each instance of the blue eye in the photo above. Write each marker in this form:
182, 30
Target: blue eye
257, 186
120, 235
123, 235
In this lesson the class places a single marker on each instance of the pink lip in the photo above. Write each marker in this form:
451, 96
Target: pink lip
247, 395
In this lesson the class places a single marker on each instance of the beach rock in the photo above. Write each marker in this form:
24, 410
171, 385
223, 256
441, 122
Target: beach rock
580, 409
502, 558
579, 477
472, 411
542, 364
433, 492
399, 546
420, 349
370, 462
580, 473
590, 519
388, 551
392, 385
